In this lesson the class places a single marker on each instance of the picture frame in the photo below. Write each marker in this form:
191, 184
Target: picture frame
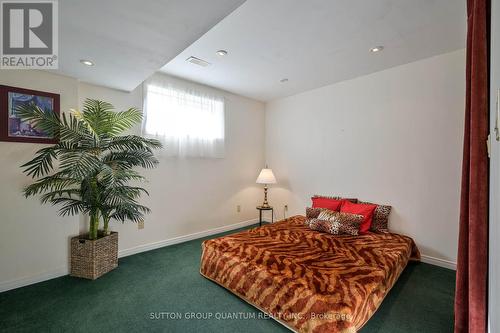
12, 129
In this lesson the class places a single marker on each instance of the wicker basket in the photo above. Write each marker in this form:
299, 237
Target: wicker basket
91, 259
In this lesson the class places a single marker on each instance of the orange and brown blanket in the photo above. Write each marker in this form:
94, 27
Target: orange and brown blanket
309, 281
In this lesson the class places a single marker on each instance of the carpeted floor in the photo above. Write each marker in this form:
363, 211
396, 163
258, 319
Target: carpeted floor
161, 290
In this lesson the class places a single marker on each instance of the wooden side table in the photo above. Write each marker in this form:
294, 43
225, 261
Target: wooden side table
260, 209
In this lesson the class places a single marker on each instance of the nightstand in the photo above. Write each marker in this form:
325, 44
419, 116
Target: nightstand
260, 209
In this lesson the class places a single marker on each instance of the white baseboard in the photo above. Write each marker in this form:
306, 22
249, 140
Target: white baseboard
25, 281
439, 262
185, 238
64, 270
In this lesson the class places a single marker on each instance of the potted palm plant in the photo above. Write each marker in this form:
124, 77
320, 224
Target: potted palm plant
95, 164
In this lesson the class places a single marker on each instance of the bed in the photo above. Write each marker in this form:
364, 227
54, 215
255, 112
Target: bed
308, 280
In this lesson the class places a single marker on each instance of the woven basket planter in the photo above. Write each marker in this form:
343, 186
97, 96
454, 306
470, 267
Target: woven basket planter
91, 259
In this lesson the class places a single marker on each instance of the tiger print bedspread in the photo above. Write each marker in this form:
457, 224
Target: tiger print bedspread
309, 281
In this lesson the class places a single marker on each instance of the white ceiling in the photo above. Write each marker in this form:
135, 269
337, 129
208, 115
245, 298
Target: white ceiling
130, 39
314, 43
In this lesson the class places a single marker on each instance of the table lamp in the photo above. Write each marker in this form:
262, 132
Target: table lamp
266, 177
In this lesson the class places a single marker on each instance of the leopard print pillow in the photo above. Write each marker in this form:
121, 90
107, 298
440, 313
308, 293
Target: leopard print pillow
353, 200
312, 213
380, 222
336, 223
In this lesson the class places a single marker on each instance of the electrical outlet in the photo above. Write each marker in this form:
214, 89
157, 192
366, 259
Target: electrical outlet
238, 208
286, 208
140, 225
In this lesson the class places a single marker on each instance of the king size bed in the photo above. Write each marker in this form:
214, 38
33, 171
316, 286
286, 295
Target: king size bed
308, 280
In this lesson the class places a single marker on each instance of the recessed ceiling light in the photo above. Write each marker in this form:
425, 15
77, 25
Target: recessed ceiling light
376, 49
87, 62
221, 52
284, 80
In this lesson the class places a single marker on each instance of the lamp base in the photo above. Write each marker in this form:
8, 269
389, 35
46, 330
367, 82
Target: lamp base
265, 204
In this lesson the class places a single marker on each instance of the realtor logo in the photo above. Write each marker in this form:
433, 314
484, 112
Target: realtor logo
29, 36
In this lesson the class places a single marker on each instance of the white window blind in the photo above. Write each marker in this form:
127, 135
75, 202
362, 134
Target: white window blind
189, 123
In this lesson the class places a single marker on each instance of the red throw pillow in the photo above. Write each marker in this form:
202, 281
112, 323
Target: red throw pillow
328, 203
361, 209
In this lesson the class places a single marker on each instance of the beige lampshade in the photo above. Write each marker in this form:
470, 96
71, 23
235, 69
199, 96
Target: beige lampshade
266, 176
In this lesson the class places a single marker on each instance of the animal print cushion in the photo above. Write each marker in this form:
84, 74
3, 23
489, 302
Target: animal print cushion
336, 223
312, 213
380, 222
353, 200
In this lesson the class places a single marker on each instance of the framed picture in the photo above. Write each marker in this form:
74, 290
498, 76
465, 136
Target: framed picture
12, 128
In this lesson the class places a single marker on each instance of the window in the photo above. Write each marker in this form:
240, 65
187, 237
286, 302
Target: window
189, 123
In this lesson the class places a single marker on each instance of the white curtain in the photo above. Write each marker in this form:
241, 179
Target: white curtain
189, 123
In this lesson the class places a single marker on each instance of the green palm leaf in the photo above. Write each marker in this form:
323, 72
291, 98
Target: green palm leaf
45, 120
42, 164
122, 121
89, 170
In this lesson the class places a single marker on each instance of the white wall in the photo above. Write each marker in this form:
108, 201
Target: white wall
187, 195
33, 238
195, 194
392, 137
494, 225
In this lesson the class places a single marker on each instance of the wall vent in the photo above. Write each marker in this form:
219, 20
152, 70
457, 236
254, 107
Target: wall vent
198, 61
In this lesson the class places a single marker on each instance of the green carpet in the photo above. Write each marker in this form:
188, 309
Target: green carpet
166, 284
